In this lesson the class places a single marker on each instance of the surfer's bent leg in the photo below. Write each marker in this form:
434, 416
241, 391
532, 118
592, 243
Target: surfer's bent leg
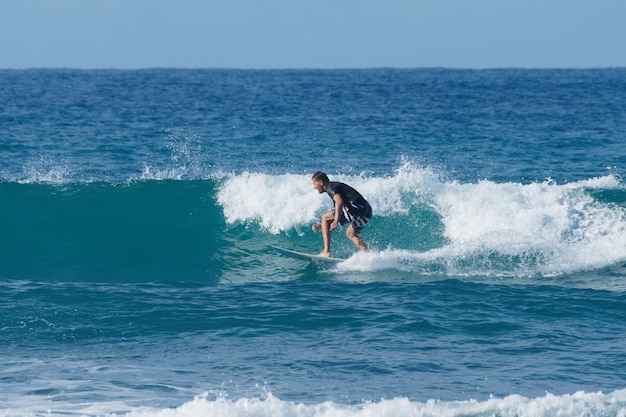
327, 219
353, 235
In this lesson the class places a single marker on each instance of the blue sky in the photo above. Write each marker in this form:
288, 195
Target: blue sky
312, 33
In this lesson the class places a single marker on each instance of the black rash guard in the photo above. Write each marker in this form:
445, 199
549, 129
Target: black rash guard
353, 202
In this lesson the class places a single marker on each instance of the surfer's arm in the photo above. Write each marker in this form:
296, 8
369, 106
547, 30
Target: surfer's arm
338, 206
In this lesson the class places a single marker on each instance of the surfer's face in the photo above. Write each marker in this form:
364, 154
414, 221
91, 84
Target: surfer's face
319, 186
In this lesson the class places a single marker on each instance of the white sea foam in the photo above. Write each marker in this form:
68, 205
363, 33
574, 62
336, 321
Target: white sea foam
561, 224
277, 203
575, 405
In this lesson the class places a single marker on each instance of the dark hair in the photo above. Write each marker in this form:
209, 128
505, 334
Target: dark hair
319, 175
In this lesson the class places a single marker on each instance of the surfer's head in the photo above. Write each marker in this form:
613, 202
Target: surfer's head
319, 181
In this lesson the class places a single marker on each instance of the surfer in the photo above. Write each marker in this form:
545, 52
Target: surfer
350, 207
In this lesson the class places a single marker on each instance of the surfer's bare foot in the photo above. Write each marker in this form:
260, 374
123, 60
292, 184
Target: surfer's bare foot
316, 227
325, 253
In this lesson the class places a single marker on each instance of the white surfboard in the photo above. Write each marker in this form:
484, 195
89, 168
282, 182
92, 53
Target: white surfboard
318, 259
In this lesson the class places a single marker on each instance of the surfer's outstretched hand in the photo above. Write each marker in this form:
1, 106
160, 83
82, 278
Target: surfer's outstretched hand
316, 227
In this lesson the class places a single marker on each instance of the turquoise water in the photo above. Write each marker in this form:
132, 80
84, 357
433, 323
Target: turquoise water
139, 209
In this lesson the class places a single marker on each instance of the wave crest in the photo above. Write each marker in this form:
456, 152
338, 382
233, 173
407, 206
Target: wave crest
423, 223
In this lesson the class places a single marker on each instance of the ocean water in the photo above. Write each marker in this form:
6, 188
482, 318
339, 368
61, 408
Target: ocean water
138, 210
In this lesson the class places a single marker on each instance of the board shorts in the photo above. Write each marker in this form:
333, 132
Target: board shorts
357, 220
